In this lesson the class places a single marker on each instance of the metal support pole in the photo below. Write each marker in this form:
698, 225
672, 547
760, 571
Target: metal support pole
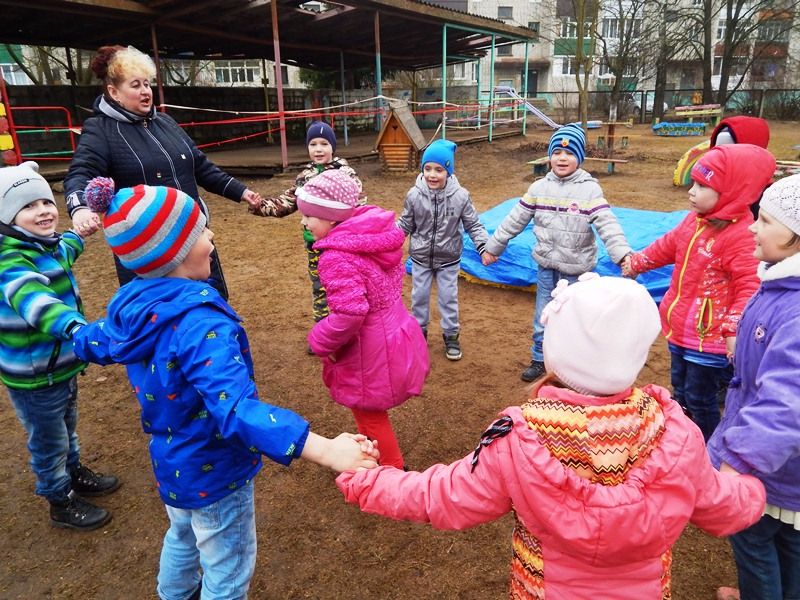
264, 83
525, 92
344, 96
157, 61
491, 89
72, 83
279, 81
478, 63
378, 74
444, 80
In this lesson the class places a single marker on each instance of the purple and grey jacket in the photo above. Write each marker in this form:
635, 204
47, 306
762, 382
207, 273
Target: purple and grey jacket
760, 430
564, 210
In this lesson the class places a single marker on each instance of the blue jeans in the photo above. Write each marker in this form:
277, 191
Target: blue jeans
220, 539
546, 280
696, 388
768, 560
50, 416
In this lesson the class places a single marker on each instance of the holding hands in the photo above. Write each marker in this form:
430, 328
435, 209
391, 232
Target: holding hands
487, 258
345, 452
85, 222
252, 198
625, 265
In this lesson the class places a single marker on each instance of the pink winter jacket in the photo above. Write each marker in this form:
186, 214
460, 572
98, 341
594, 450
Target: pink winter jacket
597, 541
380, 357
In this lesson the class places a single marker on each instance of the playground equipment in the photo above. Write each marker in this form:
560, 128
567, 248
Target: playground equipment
9, 147
400, 140
679, 129
682, 174
505, 90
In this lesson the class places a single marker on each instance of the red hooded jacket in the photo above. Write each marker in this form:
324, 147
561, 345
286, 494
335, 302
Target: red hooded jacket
715, 270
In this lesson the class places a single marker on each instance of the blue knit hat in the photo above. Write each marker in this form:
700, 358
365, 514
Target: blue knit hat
441, 152
571, 138
318, 129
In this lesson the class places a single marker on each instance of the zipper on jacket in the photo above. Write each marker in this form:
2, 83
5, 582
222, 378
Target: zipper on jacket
166, 154
698, 230
704, 324
51, 365
435, 225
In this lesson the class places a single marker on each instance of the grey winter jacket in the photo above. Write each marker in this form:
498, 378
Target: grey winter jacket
563, 212
436, 219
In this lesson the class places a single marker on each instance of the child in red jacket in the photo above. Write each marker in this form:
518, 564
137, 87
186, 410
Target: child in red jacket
714, 275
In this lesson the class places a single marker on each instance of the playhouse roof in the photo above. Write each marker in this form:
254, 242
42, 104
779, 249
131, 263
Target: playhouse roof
403, 114
315, 35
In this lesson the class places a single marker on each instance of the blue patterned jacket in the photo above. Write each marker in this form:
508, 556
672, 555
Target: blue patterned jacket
189, 363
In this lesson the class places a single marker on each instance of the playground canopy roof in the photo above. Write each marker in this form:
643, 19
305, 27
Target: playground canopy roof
409, 33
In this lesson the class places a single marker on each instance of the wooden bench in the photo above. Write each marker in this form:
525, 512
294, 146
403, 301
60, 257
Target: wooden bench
713, 112
541, 165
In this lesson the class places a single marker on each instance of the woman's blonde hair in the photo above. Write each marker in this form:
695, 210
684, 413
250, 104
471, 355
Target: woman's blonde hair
114, 64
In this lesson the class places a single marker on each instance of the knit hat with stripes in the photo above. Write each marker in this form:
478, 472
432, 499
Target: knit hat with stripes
571, 138
151, 229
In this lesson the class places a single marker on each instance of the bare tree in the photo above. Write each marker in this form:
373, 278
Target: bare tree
183, 72
586, 15
733, 34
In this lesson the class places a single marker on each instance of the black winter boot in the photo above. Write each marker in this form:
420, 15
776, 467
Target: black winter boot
77, 513
452, 347
86, 482
533, 372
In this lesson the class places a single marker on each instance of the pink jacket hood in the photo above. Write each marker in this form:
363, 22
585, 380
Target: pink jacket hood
369, 230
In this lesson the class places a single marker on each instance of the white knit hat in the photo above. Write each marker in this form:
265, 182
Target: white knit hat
19, 186
782, 201
598, 332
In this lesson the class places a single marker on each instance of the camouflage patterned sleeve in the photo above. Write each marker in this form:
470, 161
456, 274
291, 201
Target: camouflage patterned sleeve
279, 206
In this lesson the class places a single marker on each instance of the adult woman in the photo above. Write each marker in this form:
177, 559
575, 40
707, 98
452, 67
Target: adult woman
130, 142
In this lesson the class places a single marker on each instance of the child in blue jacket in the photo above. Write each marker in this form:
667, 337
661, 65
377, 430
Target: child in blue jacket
40, 310
189, 363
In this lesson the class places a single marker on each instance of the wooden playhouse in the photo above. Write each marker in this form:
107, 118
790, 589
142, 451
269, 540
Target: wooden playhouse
400, 140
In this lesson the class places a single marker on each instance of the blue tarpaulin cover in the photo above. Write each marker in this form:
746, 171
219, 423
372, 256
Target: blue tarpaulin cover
516, 266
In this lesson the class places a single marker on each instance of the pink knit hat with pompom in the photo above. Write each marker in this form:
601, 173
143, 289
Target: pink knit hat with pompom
331, 195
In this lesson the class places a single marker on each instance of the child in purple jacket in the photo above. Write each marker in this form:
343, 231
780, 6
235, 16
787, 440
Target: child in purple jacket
760, 430
374, 355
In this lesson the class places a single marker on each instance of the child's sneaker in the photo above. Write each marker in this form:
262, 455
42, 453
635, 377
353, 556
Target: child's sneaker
77, 513
86, 482
533, 372
452, 347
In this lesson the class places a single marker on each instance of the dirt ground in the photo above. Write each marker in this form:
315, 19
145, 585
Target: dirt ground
312, 545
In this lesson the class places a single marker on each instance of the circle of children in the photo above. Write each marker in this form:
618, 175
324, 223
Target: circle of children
586, 456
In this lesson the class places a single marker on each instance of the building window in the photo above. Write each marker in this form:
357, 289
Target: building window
13, 74
237, 71
569, 66
738, 66
284, 75
774, 30
504, 50
569, 28
534, 27
610, 29
505, 12
721, 26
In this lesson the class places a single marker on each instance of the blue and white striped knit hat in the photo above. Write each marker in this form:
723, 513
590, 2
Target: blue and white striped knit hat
150, 228
571, 138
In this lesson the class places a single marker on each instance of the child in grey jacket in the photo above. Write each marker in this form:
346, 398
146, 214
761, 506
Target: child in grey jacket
564, 205
436, 212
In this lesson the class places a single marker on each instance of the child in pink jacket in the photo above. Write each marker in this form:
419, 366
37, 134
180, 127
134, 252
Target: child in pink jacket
374, 355
602, 475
